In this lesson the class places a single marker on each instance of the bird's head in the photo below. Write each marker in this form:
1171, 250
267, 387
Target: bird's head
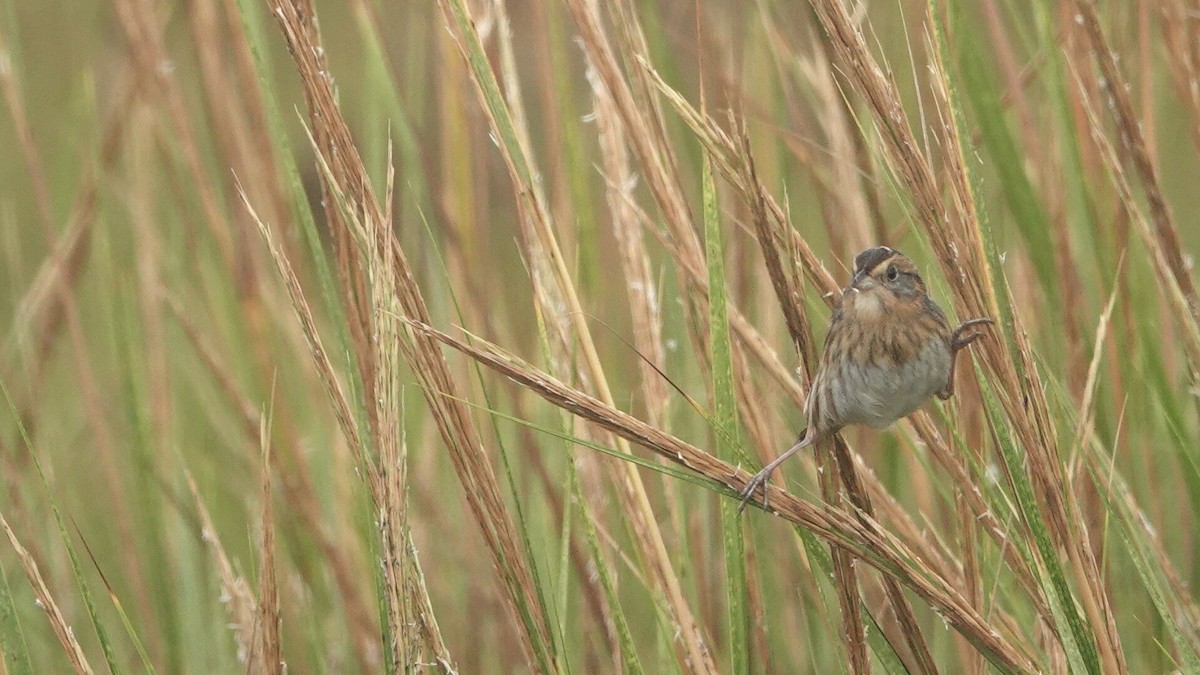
886, 277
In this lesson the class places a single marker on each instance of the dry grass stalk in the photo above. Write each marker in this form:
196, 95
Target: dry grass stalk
354, 211
268, 617
45, 600
235, 592
424, 618
862, 536
1135, 150
11, 89
641, 289
39, 312
1033, 419
320, 357
849, 214
845, 573
1168, 282
237, 113
560, 306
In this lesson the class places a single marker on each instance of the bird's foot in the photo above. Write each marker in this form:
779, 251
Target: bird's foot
759, 480
962, 337
959, 340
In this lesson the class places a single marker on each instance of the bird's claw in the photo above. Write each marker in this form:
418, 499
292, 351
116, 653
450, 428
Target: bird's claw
959, 341
756, 481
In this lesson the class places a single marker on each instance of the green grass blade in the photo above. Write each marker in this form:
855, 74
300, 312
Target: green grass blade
12, 637
1076, 641
725, 417
880, 645
84, 590
629, 656
1151, 575
116, 601
1030, 216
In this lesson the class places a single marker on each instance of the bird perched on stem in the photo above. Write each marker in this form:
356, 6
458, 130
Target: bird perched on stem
888, 351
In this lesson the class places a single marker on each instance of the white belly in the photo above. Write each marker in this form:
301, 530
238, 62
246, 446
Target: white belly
879, 395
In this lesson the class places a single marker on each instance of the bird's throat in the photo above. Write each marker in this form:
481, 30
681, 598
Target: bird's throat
876, 305
867, 306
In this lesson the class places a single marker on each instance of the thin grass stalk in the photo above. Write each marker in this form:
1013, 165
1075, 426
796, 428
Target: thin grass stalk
605, 613
143, 32
641, 289
845, 573
298, 493
236, 596
1182, 60
10, 87
553, 289
299, 489
53, 294
1177, 299
40, 313
268, 620
148, 251
72, 557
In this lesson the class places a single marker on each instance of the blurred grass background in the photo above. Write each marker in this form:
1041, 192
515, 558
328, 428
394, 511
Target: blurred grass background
149, 341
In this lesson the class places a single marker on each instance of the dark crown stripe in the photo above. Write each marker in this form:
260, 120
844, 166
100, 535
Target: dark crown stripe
868, 259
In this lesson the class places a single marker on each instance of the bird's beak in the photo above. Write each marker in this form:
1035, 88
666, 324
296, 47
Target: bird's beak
862, 274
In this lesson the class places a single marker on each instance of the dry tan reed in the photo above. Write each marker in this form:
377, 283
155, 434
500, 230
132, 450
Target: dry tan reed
45, 599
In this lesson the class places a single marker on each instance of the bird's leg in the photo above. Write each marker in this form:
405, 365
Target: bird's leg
760, 479
959, 340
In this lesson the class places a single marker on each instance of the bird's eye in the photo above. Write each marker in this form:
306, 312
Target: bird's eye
892, 273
